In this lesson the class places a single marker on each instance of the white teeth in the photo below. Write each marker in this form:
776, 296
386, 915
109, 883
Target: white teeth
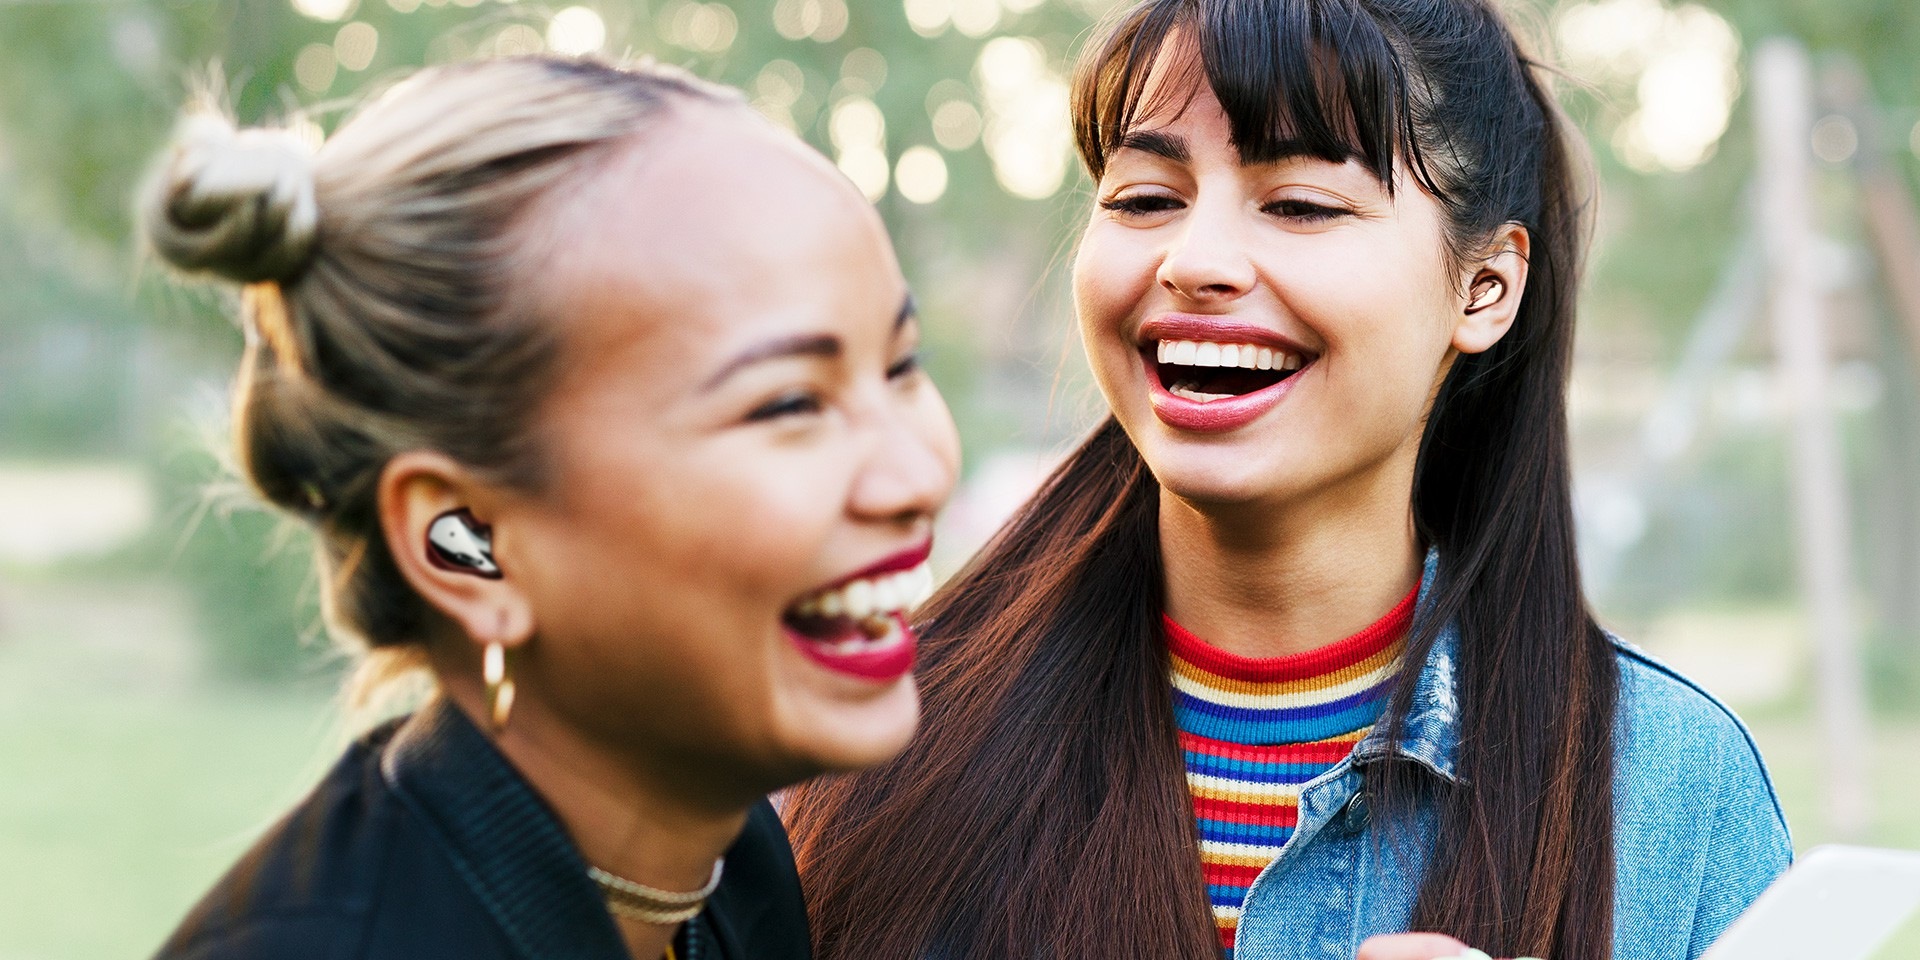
1185, 392
860, 599
1195, 353
886, 594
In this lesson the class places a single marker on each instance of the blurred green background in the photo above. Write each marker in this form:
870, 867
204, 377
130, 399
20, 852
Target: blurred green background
165, 687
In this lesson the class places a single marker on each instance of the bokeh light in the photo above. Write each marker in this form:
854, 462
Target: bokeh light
576, 31
976, 18
821, 20
777, 89
929, 18
1027, 133
355, 45
515, 40
1682, 63
858, 131
957, 124
328, 10
1835, 139
701, 27
921, 174
863, 71
315, 67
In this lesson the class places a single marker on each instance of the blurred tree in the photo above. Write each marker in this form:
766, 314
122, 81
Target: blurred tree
952, 115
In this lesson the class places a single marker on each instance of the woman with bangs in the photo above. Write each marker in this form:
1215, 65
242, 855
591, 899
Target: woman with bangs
1308, 602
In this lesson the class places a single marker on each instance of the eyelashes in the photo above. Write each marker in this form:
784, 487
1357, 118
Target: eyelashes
905, 366
1304, 211
1146, 204
786, 405
797, 403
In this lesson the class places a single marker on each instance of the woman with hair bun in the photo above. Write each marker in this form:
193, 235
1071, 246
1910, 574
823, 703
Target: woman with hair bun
600, 394
1291, 656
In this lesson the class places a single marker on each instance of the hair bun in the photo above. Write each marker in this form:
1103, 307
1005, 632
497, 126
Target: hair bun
237, 203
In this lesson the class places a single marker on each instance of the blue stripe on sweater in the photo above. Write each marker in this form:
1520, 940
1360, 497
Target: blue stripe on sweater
1195, 719
1253, 771
1312, 711
1222, 831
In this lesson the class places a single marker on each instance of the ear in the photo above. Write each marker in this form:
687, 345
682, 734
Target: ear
1493, 290
416, 488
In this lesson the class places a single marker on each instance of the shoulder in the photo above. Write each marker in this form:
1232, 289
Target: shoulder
1664, 712
1697, 814
312, 887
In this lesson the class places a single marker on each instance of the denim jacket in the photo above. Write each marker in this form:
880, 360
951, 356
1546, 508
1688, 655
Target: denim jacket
1698, 831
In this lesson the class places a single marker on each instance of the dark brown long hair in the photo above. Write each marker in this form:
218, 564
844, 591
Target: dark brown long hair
1041, 811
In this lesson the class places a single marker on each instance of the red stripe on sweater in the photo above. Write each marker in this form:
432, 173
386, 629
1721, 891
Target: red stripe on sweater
1382, 634
1228, 875
1327, 752
1233, 811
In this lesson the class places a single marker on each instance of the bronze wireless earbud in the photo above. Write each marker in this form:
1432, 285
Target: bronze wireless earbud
1485, 293
458, 542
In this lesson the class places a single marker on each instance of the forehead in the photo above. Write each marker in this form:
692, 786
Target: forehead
1286, 84
714, 227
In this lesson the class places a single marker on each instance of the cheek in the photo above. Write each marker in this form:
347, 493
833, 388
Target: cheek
1110, 277
713, 534
1381, 307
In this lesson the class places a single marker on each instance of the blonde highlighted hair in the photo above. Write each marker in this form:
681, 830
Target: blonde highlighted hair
383, 285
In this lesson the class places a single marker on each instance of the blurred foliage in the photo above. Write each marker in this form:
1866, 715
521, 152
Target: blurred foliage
96, 350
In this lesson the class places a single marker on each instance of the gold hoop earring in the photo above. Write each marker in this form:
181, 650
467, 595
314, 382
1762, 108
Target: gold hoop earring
499, 686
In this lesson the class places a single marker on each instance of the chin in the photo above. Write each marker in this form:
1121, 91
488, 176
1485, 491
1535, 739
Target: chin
841, 737
1226, 475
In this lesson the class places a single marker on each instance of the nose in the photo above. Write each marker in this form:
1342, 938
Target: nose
910, 468
1206, 261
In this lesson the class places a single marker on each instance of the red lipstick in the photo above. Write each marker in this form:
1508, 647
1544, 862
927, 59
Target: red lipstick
1227, 413
883, 664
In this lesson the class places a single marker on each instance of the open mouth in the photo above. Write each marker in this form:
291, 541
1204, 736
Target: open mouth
859, 626
1204, 371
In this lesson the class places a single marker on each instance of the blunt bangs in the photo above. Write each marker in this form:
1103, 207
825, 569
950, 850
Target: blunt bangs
1295, 77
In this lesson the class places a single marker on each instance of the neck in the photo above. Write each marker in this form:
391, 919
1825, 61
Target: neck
625, 818
1266, 581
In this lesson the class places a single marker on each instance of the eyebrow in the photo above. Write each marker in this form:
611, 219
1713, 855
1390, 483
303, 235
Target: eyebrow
822, 345
1173, 147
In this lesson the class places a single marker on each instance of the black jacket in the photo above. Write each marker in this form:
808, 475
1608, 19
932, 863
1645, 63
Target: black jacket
423, 843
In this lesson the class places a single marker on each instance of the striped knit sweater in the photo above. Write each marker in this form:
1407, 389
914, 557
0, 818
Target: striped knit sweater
1254, 731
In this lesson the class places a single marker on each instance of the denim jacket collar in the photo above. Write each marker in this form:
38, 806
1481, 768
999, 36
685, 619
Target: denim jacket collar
1431, 734
502, 838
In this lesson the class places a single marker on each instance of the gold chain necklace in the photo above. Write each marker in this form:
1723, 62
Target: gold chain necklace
651, 904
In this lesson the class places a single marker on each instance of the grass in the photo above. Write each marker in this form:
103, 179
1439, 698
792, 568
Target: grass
131, 782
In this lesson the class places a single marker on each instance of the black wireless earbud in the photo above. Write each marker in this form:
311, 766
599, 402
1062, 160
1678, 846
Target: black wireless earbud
458, 542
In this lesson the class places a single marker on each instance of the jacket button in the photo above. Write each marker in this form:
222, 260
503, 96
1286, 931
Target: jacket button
1357, 810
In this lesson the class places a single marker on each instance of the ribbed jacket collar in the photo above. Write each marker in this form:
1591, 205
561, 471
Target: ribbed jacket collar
502, 838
